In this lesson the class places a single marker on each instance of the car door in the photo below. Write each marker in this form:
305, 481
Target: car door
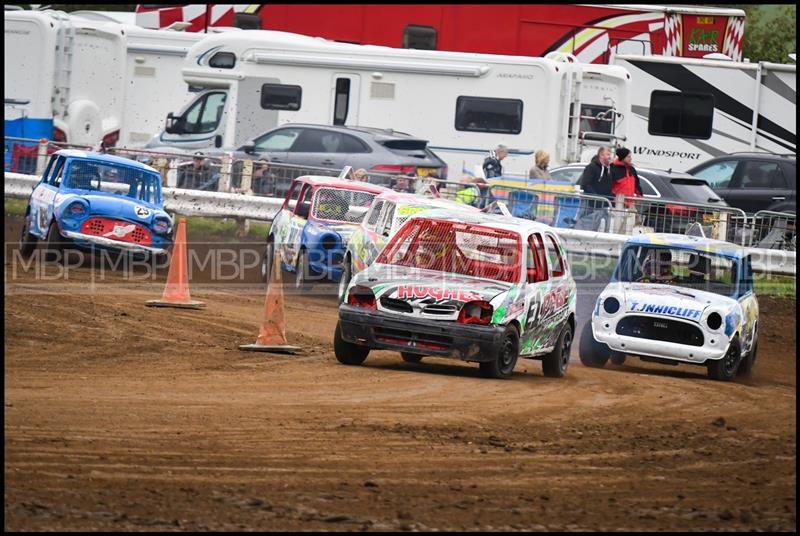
537, 286
43, 197
276, 144
297, 224
747, 300
317, 148
757, 185
555, 304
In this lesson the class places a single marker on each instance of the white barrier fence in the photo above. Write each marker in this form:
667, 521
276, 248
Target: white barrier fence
226, 205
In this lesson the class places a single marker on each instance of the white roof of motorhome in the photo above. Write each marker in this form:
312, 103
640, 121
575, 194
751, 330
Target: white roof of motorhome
270, 47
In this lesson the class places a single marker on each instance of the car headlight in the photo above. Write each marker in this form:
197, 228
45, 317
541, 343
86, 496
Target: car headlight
714, 321
76, 209
611, 305
161, 226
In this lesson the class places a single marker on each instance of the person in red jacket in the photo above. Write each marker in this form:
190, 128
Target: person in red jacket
624, 179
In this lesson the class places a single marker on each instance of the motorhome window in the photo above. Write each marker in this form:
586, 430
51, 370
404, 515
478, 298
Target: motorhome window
419, 37
280, 140
684, 115
280, 97
342, 101
223, 60
351, 144
317, 141
204, 115
484, 114
247, 21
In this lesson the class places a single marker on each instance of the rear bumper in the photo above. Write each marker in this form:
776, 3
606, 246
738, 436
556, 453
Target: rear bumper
91, 240
379, 330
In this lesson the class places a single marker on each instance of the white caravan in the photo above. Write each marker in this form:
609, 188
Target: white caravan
83, 81
463, 103
685, 111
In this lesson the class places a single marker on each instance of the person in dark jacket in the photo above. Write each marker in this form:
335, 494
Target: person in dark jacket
624, 179
492, 166
596, 177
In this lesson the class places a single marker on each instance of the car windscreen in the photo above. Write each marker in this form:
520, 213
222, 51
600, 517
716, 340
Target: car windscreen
340, 205
694, 190
455, 247
680, 267
126, 181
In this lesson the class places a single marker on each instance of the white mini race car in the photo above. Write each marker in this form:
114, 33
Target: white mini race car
465, 285
677, 299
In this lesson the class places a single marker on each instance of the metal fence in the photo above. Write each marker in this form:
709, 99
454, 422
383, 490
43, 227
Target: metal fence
559, 206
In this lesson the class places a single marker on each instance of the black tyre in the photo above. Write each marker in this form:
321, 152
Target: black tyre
746, 366
618, 358
505, 356
301, 272
554, 365
347, 352
725, 369
408, 357
267, 260
27, 241
592, 353
344, 281
54, 245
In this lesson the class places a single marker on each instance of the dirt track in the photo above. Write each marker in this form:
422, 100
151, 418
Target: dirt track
120, 417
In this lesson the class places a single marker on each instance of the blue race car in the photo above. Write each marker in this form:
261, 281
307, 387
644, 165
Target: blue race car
97, 200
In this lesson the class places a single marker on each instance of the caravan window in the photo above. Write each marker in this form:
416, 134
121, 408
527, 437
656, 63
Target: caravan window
484, 114
223, 60
204, 115
684, 115
341, 101
280, 97
419, 37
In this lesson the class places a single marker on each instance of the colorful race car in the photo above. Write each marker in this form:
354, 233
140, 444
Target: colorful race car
311, 231
96, 200
465, 285
677, 299
388, 212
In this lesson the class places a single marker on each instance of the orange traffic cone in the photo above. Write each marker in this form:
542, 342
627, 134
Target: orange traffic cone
272, 334
176, 292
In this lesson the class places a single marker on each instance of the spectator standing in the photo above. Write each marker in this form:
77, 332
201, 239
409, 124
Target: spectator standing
402, 184
492, 166
624, 178
539, 170
263, 182
596, 177
361, 175
485, 195
468, 192
197, 175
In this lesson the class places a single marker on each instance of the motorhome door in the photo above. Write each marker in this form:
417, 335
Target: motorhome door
345, 94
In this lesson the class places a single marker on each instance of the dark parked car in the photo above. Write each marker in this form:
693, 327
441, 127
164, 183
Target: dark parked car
376, 150
660, 185
752, 181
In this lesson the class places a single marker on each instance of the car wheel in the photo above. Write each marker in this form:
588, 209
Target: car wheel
725, 369
267, 261
301, 271
592, 353
344, 281
555, 363
346, 352
408, 357
27, 241
54, 251
618, 358
746, 366
505, 356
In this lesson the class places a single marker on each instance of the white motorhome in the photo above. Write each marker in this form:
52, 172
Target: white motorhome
685, 111
83, 81
463, 103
